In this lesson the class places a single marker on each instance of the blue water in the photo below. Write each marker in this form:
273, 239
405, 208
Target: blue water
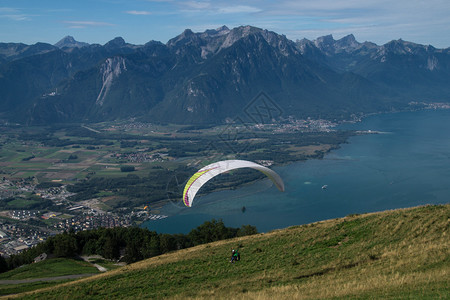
406, 165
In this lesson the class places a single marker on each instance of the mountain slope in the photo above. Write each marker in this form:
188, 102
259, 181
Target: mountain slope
14, 51
232, 78
208, 78
401, 253
414, 71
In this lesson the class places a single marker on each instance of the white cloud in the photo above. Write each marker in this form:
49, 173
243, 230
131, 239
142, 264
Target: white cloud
196, 5
13, 14
7, 10
138, 12
84, 24
238, 9
217, 7
16, 17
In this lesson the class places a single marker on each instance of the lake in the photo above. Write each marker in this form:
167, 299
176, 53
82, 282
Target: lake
406, 165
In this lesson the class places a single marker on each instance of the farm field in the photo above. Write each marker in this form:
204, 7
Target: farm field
76, 154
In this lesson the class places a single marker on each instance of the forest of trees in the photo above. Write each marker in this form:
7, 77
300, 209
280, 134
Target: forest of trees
129, 244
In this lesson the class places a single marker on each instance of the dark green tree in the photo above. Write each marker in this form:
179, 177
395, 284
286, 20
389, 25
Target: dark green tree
3, 265
246, 230
111, 249
167, 243
65, 245
211, 231
126, 168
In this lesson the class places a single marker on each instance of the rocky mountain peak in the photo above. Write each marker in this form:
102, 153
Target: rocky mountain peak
70, 42
346, 44
272, 38
324, 41
116, 43
214, 40
348, 41
330, 46
185, 38
223, 29
216, 32
235, 34
187, 33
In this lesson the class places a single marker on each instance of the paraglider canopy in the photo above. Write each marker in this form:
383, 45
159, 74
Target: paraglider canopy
214, 169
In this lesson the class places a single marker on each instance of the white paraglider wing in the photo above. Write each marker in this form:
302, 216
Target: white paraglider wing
214, 169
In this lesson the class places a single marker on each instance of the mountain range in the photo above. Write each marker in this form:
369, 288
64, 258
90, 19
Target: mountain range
213, 76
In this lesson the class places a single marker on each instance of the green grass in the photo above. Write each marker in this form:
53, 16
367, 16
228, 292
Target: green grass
105, 194
25, 287
51, 221
393, 254
22, 203
104, 206
50, 268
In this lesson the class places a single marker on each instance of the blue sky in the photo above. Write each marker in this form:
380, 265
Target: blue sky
139, 21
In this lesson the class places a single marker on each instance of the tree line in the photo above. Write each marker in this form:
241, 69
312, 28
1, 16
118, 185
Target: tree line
128, 244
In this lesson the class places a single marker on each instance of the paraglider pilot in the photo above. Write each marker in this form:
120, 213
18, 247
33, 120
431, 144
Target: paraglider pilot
235, 256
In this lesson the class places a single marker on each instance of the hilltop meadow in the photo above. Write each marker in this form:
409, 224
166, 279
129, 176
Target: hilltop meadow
393, 254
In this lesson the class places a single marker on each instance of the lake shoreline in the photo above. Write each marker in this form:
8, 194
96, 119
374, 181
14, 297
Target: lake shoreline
371, 172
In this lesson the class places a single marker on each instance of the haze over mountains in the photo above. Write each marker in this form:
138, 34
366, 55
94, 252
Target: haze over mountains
212, 76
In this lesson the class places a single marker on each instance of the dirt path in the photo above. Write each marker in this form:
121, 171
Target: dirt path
100, 268
87, 258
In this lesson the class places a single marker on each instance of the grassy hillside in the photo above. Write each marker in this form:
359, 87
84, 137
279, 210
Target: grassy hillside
25, 278
49, 268
394, 254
